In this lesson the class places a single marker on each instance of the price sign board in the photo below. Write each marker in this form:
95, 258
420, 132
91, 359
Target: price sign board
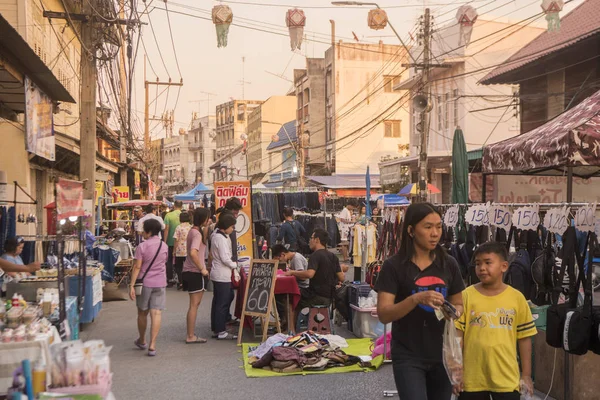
500, 217
585, 218
259, 298
527, 218
477, 215
556, 220
451, 216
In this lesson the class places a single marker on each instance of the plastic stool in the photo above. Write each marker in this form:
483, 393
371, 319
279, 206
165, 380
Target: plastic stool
319, 320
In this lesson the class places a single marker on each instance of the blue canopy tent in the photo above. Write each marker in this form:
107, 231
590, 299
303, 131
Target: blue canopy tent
391, 199
195, 194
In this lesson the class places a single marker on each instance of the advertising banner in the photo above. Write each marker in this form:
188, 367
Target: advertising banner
39, 125
120, 194
98, 191
243, 227
69, 199
136, 182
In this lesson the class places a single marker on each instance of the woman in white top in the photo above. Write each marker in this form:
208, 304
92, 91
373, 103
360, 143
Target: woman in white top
220, 274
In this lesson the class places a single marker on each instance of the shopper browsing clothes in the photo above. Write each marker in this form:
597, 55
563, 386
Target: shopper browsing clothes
411, 285
496, 321
180, 245
195, 273
289, 231
297, 262
150, 265
345, 221
220, 275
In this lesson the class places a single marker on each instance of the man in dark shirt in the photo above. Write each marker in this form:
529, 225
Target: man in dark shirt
289, 231
323, 271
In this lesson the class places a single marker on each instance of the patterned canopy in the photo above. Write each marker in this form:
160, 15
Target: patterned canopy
572, 139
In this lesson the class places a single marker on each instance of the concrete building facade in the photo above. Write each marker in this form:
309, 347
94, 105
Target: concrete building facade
365, 120
202, 146
232, 120
176, 169
485, 114
264, 122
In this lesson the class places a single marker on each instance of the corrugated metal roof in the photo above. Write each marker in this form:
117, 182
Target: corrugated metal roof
287, 134
475, 154
345, 181
581, 23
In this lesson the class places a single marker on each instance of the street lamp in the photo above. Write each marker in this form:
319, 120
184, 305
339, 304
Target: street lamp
360, 3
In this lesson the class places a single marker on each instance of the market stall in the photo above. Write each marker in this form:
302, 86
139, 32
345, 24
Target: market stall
199, 193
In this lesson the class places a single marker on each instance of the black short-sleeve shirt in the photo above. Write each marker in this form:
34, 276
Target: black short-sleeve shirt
326, 266
419, 334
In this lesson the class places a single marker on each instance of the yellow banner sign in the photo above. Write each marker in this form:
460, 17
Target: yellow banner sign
98, 192
243, 227
120, 194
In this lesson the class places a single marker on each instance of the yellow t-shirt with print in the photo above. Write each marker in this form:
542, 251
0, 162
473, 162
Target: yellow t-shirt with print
492, 326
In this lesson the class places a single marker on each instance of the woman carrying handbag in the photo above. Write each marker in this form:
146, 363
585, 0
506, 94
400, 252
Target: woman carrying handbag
149, 291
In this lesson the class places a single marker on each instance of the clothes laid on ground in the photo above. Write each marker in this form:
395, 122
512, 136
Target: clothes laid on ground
304, 351
492, 326
419, 334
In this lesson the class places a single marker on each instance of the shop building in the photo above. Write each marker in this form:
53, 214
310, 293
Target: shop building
202, 147
485, 114
264, 122
232, 120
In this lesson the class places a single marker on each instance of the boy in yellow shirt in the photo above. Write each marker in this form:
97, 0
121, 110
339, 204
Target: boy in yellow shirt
496, 319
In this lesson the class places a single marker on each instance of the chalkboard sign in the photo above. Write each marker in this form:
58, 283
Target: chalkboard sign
259, 296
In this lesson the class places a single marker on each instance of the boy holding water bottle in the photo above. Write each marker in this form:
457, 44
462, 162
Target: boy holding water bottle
496, 320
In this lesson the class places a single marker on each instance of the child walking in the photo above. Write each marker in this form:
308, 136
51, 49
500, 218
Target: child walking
496, 320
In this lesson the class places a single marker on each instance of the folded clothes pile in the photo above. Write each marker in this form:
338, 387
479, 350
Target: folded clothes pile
303, 352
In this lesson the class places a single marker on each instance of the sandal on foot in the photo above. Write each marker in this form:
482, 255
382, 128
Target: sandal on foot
151, 353
139, 345
196, 341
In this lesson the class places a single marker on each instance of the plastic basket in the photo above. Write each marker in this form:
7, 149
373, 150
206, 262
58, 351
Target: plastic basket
539, 315
103, 388
365, 323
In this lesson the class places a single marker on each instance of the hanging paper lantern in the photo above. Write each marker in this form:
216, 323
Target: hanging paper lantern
295, 21
466, 17
378, 19
222, 17
552, 8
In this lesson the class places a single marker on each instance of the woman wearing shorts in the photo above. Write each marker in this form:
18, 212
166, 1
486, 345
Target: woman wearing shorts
151, 265
195, 273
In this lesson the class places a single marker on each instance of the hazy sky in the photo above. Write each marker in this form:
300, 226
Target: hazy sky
206, 68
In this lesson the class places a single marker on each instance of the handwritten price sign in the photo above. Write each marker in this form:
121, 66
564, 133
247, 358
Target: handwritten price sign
527, 218
451, 216
500, 217
556, 220
477, 215
585, 218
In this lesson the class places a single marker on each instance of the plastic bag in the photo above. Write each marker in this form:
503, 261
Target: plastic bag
378, 350
452, 354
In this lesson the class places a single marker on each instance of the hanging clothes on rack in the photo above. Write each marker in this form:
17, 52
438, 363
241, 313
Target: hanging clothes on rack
359, 232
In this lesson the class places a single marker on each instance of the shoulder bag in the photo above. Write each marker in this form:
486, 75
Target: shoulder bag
139, 283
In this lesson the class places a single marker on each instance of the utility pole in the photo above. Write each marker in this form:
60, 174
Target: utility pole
427, 109
243, 81
89, 77
124, 132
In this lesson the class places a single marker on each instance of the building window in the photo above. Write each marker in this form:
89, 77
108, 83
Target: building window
392, 129
447, 111
241, 112
306, 96
455, 95
439, 113
389, 81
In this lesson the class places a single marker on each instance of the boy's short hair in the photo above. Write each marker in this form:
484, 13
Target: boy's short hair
278, 250
184, 217
492, 248
288, 212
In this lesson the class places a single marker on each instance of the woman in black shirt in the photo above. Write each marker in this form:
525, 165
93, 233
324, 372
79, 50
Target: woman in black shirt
411, 285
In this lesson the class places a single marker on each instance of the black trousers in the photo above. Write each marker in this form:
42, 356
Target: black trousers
421, 380
223, 295
170, 265
179, 268
490, 395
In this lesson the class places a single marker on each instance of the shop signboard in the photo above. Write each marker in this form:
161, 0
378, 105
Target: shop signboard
120, 194
39, 125
98, 191
69, 199
136, 182
242, 190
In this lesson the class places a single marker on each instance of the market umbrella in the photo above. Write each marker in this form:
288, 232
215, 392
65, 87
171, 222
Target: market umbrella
413, 189
460, 169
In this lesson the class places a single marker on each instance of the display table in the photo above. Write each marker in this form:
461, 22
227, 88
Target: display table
585, 371
93, 296
286, 285
12, 354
